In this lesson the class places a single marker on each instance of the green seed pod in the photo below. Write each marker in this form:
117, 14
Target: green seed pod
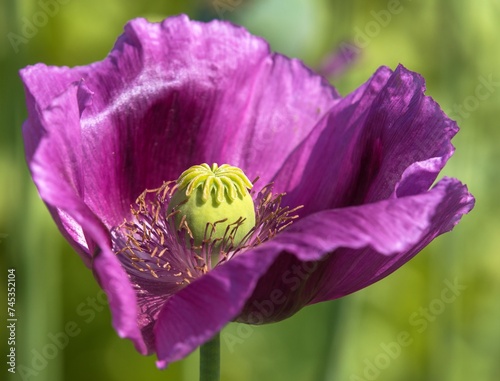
216, 195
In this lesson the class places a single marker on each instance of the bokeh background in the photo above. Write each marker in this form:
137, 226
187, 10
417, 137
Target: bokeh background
445, 332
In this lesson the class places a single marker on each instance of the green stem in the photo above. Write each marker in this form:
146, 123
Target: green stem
210, 360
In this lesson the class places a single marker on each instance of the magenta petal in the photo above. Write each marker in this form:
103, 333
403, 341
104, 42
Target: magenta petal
355, 246
61, 188
348, 271
173, 90
360, 151
199, 311
122, 298
359, 245
53, 141
373, 240
388, 226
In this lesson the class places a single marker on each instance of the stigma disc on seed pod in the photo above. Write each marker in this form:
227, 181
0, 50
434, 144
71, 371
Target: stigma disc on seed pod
215, 203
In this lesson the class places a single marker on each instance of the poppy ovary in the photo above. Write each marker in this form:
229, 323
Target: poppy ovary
214, 205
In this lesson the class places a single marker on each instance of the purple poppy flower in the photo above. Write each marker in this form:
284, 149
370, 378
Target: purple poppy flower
179, 93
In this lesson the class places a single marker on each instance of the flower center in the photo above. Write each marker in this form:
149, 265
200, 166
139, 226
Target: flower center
214, 203
166, 242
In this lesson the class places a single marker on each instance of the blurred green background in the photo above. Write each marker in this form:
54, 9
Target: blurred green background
453, 44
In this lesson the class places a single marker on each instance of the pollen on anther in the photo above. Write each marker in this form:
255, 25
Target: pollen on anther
153, 273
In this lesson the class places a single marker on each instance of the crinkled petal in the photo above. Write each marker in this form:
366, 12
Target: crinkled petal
122, 298
52, 138
336, 252
384, 131
179, 93
196, 313
366, 242
61, 188
348, 271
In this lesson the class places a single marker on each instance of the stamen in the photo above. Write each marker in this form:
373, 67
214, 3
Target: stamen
150, 246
